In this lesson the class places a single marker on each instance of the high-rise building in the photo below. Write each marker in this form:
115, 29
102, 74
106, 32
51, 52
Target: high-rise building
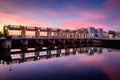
100, 32
93, 32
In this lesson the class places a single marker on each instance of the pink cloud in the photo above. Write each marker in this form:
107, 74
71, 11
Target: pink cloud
91, 14
22, 20
82, 23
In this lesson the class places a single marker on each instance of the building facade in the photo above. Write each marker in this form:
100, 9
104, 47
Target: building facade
92, 32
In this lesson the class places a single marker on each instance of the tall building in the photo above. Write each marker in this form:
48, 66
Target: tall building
100, 32
93, 32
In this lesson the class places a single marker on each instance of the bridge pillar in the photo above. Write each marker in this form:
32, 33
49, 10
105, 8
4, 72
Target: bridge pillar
37, 55
6, 30
66, 51
37, 32
24, 42
74, 34
41, 42
49, 32
6, 44
74, 50
58, 53
53, 42
64, 34
59, 33
23, 32
80, 34
48, 54
23, 57
24, 48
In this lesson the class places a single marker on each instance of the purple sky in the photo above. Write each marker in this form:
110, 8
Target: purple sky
65, 14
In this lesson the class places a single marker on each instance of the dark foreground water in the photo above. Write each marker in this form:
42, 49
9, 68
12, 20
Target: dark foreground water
89, 63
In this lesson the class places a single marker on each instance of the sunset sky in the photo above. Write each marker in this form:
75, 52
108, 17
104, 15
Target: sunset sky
65, 14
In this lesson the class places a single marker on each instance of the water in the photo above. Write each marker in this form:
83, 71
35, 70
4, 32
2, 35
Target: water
88, 63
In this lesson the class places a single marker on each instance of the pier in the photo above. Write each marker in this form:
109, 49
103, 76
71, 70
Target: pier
54, 38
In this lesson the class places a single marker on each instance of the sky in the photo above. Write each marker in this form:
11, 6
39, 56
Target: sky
64, 14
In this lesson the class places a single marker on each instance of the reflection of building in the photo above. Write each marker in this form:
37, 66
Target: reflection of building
92, 50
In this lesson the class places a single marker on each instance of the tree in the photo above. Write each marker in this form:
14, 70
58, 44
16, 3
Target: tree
112, 32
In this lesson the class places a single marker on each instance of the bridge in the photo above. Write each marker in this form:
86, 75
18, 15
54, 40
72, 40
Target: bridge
53, 38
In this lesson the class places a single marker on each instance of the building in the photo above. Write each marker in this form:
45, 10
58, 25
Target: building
95, 32
91, 32
100, 32
84, 32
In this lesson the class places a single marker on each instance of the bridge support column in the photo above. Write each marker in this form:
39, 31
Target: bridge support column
24, 42
37, 55
73, 41
53, 41
48, 54
6, 30
49, 32
24, 48
41, 42
23, 32
74, 50
6, 44
58, 53
66, 51
23, 57
37, 32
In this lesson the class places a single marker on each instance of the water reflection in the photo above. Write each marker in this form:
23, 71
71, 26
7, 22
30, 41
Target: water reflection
80, 63
7, 57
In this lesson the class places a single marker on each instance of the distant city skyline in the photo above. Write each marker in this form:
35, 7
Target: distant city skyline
63, 14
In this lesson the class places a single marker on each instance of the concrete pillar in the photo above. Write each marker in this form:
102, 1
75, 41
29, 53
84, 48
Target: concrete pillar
75, 35
23, 32
23, 57
37, 55
49, 32
80, 34
74, 50
64, 41
6, 30
66, 51
59, 33
68, 34
58, 53
24, 48
64, 34
6, 44
48, 54
53, 41
41, 42
24, 42
37, 33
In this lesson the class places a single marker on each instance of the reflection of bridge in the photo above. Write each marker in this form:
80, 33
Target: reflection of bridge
54, 37
13, 57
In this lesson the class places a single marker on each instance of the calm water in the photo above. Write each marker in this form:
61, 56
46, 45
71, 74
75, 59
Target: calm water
88, 63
